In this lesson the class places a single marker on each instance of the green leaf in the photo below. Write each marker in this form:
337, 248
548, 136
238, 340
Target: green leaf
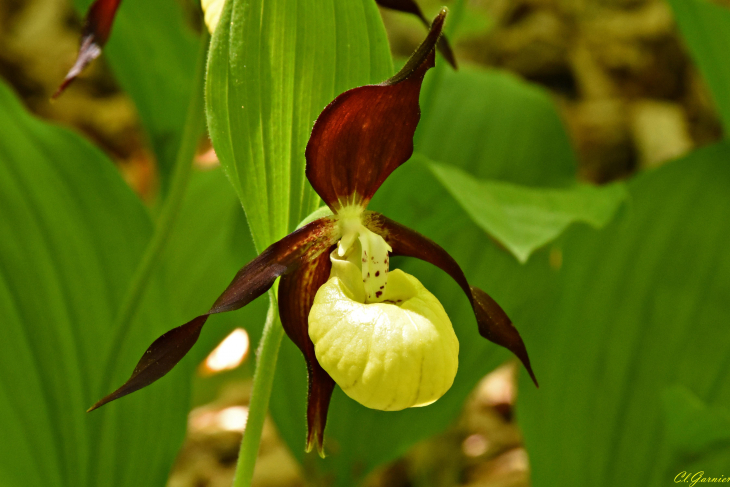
494, 126
73, 234
706, 30
642, 306
692, 427
524, 219
152, 53
273, 67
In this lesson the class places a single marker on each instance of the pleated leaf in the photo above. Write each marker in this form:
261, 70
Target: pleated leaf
73, 233
634, 346
209, 244
273, 67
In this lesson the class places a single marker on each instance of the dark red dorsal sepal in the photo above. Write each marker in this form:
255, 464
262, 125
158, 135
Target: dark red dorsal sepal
367, 132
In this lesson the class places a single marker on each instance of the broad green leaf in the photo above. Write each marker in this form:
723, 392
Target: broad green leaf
273, 67
706, 30
642, 307
692, 427
152, 53
522, 218
73, 233
494, 126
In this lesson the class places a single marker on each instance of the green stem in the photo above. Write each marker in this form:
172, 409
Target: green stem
263, 381
194, 126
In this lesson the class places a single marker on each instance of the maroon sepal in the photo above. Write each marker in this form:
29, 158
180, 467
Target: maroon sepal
284, 256
493, 322
411, 7
367, 132
97, 27
296, 295
159, 359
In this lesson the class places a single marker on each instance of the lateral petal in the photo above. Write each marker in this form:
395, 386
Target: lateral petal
295, 250
367, 132
279, 258
159, 359
492, 321
296, 295
411, 7
97, 27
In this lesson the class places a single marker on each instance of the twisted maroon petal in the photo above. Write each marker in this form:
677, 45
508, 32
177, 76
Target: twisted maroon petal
493, 322
367, 132
296, 295
295, 250
411, 7
281, 257
159, 359
97, 27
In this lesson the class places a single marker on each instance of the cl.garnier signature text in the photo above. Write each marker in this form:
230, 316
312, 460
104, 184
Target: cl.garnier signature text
693, 478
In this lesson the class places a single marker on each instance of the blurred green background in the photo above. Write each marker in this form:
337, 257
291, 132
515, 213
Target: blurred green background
619, 290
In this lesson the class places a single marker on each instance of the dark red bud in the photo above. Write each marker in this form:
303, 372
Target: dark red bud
97, 28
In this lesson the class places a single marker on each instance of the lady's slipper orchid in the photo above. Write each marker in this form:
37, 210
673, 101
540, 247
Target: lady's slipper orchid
380, 335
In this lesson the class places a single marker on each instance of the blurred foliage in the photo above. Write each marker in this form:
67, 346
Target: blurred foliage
152, 53
704, 27
641, 310
73, 233
495, 126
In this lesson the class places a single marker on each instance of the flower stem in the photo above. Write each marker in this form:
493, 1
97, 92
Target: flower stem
194, 126
263, 381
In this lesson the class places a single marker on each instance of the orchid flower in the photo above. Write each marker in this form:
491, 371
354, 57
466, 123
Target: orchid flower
380, 335
100, 19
